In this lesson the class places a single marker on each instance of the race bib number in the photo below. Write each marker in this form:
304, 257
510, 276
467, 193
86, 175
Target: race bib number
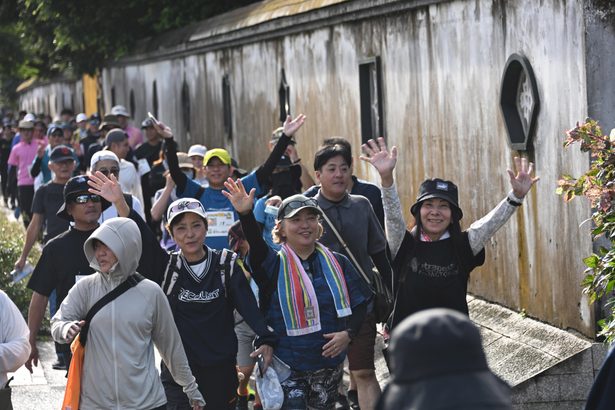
219, 222
144, 167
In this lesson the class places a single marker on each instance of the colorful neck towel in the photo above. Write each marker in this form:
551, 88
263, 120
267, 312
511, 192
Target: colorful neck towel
296, 293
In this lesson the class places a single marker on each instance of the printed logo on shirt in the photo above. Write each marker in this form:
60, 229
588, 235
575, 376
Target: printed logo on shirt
203, 296
437, 271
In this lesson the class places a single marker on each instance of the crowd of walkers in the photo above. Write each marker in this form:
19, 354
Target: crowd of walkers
225, 270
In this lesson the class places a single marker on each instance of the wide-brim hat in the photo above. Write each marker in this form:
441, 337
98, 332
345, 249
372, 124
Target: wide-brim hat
74, 186
295, 204
438, 188
110, 121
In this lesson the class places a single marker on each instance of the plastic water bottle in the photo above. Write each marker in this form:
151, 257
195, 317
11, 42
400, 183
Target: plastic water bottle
19, 275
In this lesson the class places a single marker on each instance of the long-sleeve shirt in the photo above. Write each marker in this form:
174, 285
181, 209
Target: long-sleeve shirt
478, 233
303, 352
219, 209
14, 334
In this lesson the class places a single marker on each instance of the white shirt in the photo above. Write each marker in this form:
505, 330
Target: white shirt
130, 179
14, 334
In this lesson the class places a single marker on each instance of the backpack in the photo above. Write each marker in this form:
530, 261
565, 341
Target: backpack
224, 267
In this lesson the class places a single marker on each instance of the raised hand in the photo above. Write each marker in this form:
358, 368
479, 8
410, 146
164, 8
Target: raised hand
377, 154
101, 185
241, 201
291, 126
162, 129
523, 181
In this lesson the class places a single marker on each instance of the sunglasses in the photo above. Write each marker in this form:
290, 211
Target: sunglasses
106, 172
186, 205
82, 199
298, 204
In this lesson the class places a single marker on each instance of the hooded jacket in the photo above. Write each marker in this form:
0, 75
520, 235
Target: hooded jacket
119, 367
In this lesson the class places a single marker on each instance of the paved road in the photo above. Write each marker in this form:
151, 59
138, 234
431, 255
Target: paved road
44, 388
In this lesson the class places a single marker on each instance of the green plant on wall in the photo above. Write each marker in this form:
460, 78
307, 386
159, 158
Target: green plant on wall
597, 185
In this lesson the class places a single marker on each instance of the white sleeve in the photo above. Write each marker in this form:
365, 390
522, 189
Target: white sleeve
483, 229
393, 218
14, 334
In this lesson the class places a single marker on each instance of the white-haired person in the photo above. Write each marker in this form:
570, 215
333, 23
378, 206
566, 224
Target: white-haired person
109, 164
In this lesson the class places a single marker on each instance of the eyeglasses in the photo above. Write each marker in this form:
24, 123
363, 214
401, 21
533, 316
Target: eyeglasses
186, 205
298, 204
106, 172
82, 199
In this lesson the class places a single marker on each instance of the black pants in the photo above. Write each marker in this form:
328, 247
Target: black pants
217, 384
4, 181
26, 195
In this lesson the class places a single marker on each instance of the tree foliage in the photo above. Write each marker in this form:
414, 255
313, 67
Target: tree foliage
597, 185
45, 38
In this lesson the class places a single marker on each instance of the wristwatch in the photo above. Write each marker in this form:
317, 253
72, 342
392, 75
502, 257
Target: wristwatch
513, 203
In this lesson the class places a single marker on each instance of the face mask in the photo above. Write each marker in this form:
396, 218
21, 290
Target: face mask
284, 184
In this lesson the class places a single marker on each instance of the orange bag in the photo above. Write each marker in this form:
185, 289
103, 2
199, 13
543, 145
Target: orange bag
73, 385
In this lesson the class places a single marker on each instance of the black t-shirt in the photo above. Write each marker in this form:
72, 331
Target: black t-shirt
61, 262
47, 200
150, 152
431, 275
5, 151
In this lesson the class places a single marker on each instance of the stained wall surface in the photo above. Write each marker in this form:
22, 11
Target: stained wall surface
442, 66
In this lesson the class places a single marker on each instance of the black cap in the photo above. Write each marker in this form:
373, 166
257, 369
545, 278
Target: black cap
284, 162
74, 186
54, 128
61, 153
437, 188
146, 123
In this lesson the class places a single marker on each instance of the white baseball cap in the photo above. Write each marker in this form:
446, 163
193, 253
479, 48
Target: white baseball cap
197, 150
81, 117
183, 205
120, 110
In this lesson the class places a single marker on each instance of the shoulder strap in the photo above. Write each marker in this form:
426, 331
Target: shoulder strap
131, 281
347, 249
226, 264
128, 199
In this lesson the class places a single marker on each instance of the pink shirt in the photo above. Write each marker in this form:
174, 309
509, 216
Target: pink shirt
21, 157
135, 138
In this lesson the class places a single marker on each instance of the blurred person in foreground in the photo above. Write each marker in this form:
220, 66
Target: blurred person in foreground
438, 363
14, 346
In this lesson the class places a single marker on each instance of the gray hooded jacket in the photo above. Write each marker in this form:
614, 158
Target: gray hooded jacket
119, 367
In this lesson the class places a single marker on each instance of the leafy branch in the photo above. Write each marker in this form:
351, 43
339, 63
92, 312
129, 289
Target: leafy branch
597, 185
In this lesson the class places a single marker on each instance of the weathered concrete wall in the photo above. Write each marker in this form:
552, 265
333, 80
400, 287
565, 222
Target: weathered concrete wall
50, 98
442, 65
